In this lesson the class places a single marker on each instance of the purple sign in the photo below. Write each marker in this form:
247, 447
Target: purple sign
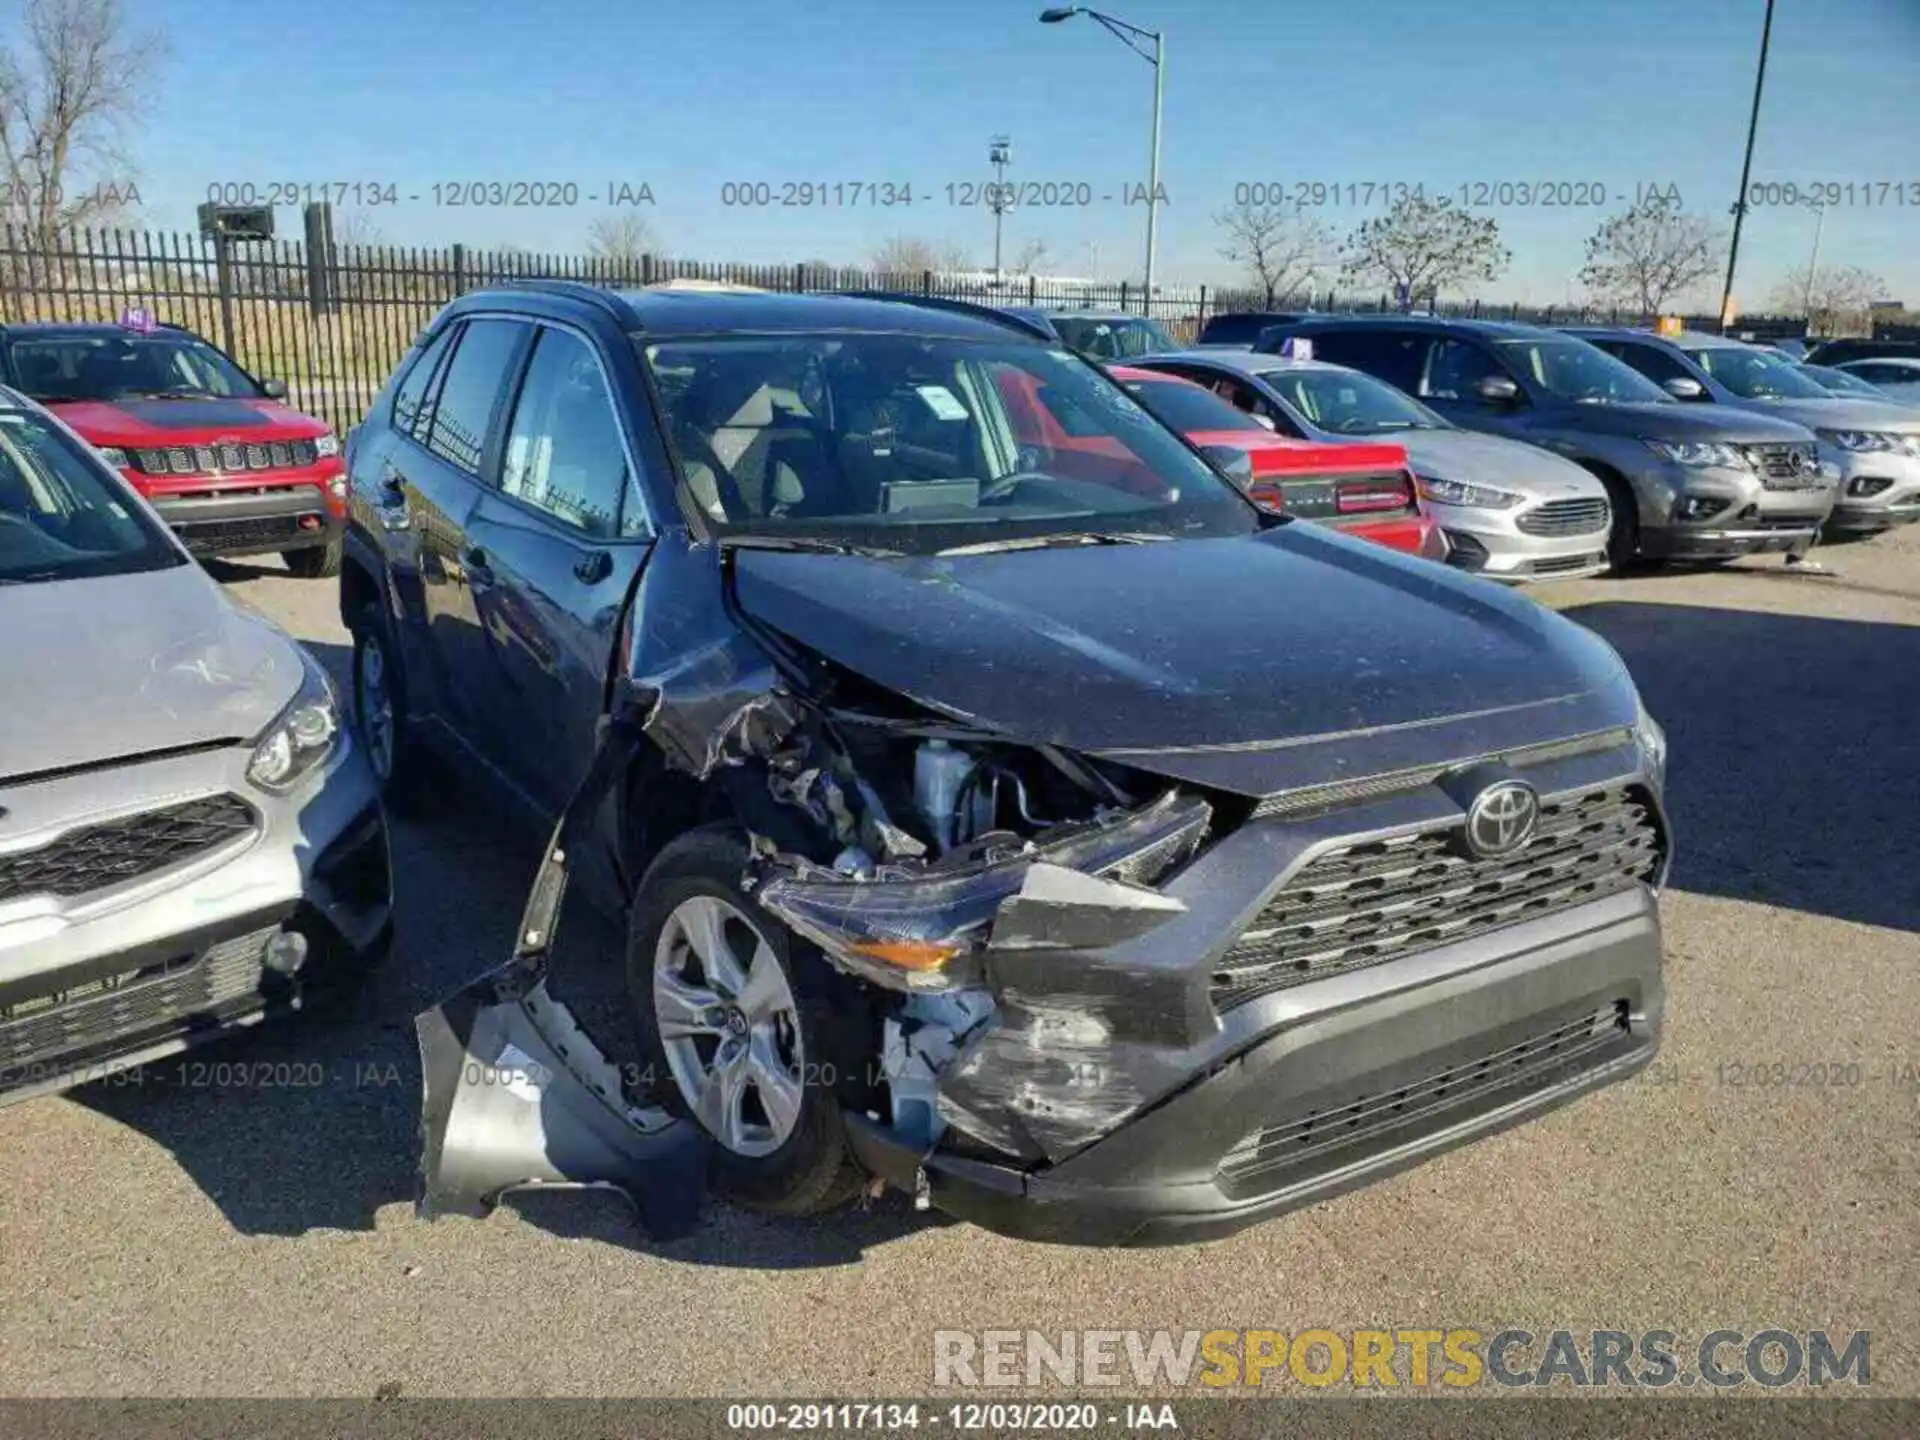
140, 319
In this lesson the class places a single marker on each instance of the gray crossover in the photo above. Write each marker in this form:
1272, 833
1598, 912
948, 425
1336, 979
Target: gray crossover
1685, 481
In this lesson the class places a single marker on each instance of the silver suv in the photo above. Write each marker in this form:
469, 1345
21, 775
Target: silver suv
187, 838
1686, 482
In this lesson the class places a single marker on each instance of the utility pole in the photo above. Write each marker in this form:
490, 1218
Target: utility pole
1813, 263
1746, 167
999, 155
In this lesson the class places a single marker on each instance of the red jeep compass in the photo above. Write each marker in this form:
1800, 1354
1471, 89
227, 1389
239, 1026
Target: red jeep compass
232, 470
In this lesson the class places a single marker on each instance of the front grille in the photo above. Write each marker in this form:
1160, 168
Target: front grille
82, 861
1363, 905
1402, 1108
62, 1029
228, 458
264, 530
1566, 517
1786, 467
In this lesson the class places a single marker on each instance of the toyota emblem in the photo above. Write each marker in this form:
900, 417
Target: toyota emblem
1502, 818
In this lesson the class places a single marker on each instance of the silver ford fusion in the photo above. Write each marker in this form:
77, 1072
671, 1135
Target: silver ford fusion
188, 840
1511, 511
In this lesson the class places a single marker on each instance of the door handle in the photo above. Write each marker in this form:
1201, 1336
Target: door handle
593, 567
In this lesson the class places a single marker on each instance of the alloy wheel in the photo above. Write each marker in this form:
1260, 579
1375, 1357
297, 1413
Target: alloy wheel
729, 1025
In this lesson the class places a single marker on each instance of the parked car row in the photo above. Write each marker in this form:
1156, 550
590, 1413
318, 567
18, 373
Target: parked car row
998, 798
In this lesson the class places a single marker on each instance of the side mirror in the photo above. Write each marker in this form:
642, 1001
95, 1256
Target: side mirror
274, 389
1232, 462
1498, 390
1684, 387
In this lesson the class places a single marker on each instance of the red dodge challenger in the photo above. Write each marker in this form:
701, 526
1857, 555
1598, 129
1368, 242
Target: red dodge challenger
232, 470
1364, 489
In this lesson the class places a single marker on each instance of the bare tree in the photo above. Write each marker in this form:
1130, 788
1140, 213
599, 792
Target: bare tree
1651, 253
1029, 257
909, 255
622, 239
1840, 297
79, 81
1422, 245
1280, 247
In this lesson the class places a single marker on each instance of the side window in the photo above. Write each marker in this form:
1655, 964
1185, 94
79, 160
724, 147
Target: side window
1656, 365
412, 403
564, 452
475, 377
1454, 368
1393, 356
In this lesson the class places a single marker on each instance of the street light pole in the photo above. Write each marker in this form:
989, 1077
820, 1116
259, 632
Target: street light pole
1133, 37
1746, 167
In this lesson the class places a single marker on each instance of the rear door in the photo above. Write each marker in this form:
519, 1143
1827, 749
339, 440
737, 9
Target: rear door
561, 539
432, 476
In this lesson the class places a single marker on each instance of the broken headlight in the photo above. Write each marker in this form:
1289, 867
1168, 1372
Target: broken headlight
926, 930
301, 737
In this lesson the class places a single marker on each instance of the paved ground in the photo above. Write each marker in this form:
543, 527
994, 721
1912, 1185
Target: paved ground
183, 1239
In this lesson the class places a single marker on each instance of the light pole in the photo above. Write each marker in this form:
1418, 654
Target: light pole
1746, 167
1134, 38
999, 154
1813, 263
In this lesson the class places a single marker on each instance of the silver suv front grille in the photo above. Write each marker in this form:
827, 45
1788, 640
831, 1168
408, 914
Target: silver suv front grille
1366, 904
1786, 467
1566, 517
96, 856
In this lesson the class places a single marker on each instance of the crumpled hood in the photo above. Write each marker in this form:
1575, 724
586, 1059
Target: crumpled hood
185, 420
1841, 413
1248, 663
96, 670
1677, 420
1478, 459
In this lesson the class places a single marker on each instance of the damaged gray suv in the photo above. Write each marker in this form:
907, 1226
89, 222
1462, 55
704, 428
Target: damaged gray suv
1000, 805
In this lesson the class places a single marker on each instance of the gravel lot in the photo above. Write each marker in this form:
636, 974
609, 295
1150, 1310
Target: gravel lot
181, 1239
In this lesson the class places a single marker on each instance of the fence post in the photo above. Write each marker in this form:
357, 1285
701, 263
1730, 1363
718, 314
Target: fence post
1033, 289
800, 278
459, 268
1201, 321
926, 282
1123, 295
223, 271
646, 268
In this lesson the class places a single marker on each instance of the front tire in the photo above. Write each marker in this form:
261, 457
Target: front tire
379, 709
734, 1031
316, 562
1623, 539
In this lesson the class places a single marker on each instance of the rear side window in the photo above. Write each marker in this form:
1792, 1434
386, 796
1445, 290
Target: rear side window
1656, 365
413, 402
564, 452
1396, 357
476, 376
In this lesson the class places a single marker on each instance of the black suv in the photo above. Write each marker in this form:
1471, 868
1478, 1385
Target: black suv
1686, 482
1245, 327
995, 801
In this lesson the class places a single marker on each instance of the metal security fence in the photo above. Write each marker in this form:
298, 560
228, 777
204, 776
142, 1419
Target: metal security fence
333, 320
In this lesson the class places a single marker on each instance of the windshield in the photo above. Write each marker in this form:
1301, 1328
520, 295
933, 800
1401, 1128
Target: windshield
1841, 383
918, 443
1111, 339
107, 366
1757, 374
1345, 402
1575, 370
1188, 408
63, 516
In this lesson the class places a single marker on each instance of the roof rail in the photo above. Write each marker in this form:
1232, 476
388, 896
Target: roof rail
957, 307
598, 296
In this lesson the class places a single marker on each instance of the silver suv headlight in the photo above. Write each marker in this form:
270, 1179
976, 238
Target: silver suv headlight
301, 737
1700, 454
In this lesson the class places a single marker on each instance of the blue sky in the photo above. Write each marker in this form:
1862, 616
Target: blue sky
687, 96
